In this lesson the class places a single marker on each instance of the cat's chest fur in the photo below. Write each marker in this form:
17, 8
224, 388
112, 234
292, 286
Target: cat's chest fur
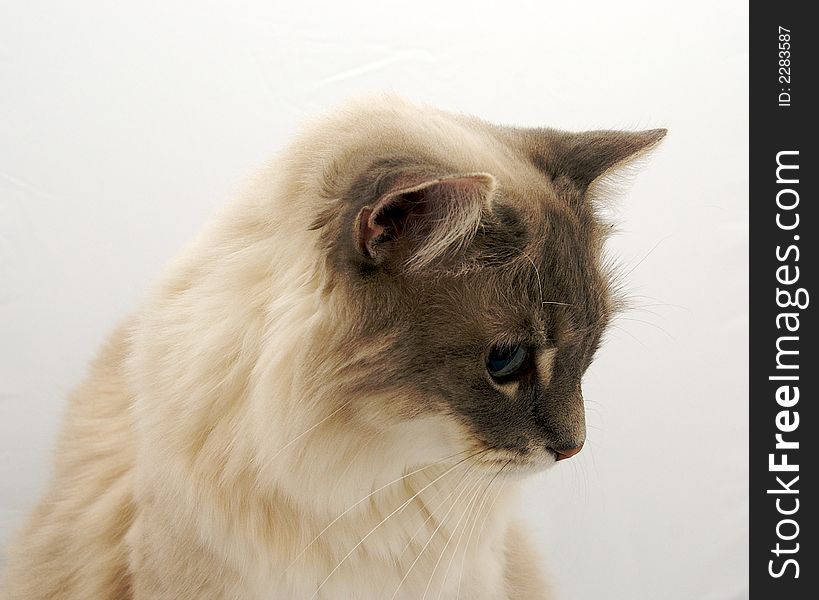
434, 531
433, 534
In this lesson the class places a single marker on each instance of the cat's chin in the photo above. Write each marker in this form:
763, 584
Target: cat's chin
520, 465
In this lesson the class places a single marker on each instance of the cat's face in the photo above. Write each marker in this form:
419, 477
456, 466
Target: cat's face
484, 288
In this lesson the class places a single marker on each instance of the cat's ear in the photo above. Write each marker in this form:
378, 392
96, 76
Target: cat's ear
586, 156
416, 222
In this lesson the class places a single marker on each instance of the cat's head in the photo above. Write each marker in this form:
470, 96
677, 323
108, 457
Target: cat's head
469, 257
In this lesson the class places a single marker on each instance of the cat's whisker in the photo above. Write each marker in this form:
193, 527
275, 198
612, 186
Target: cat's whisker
642, 260
586, 485
539, 279
644, 308
628, 333
352, 460
537, 273
593, 460
488, 512
384, 520
492, 505
426, 545
308, 430
364, 499
476, 488
577, 478
649, 323
657, 302
434, 511
474, 517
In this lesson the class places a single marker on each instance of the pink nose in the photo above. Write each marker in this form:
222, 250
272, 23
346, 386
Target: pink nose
563, 454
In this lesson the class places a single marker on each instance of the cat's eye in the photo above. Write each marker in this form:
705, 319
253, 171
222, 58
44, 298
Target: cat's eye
505, 361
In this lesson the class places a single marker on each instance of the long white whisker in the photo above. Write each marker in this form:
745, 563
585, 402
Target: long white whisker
467, 508
455, 488
364, 499
476, 514
491, 506
354, 458
537, 273
483, 524
649, 253
384, 520
628, 333
309, 429
649, 323
431, 537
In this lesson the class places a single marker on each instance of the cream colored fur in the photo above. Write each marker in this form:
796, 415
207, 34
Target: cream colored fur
210, 454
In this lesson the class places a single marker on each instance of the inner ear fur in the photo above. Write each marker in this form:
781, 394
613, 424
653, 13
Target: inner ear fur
417, 221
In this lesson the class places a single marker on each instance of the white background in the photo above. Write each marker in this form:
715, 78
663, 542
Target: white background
123, 125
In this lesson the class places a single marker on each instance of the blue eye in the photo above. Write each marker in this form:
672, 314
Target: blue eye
504, 361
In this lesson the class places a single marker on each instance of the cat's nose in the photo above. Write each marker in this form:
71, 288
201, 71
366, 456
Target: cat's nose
568, 452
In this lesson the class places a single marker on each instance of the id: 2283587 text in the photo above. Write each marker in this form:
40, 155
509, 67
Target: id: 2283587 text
784, 66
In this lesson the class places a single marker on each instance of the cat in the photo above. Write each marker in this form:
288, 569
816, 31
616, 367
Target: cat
335, 391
